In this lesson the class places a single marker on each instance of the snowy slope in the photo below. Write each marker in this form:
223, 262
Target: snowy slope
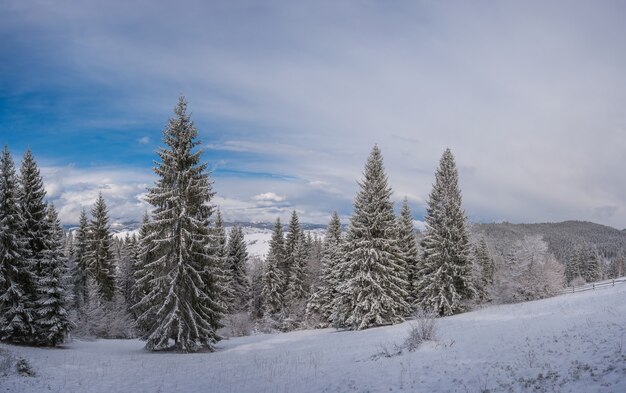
570, 343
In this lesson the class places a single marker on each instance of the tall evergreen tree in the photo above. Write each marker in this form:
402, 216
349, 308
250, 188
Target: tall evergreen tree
99, 254
445, 276
183, 302
372, 289
273, 279
485, 268
237, 259
16, 281
144, 273
220, 252
407, 245
320, 304
296, 285
79, 261
291, 242
126, 271
33, 210
53, 303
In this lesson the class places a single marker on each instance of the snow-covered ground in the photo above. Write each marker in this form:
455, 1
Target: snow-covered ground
570, 343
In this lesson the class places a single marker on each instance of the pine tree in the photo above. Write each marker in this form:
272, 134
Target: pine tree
296, 287
273, 279
183, 302
53, 303
588, 260
33, 210
291, 242
220, 241
237, 259
126, 271
93, 320
408, 249
320, 305
144, 273
371, 292
16, 281
99, 254
445, 276
79, 261
485, 268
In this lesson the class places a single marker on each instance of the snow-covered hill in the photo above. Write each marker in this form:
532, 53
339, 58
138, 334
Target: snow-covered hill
570, 343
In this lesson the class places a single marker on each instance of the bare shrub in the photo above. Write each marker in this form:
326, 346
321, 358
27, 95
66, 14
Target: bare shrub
7, 363
423, 328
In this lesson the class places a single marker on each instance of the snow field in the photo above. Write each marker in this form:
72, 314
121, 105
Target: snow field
570, 343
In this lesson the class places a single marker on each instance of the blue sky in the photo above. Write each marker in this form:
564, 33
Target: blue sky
289, 98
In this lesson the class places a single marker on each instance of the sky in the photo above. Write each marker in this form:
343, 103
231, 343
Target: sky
290, 96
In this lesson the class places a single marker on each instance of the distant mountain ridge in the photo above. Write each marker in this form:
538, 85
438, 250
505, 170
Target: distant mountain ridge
562, 237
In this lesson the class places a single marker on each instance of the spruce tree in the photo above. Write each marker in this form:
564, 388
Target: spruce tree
220, 241
273, 279
126, 271
320, 305
16, 281
143, 271
291, 242
183, 302
33, 210
296, 286
99, 254
372, 289
445, 276
237, 259
485, 268
53, 302
79, 261
407, 245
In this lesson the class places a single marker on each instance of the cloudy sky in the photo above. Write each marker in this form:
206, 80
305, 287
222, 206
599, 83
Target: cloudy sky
289, 97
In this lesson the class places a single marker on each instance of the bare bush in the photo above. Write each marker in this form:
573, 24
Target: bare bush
7, 362
423, 328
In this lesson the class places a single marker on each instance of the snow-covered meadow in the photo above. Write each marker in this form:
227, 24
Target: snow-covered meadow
573, 342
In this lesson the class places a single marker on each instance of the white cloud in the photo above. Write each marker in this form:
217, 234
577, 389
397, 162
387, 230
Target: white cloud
71, 189
527, 94
144, 140
268, 196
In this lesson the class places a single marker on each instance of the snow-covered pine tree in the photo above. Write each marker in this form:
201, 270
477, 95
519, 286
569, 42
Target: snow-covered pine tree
291, 241
53, 322
16, 281
126, 271
33, 210
79, 261
296, 294
273, 279
445, 276
93, 320
589, 262
372, 289
143, 272
485, 267
408, 249
183, 302
237, 260
99, 254
320, 305
220, 242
